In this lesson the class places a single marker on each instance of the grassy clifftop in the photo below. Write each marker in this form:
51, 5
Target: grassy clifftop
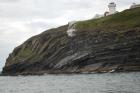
120, 21
114, 46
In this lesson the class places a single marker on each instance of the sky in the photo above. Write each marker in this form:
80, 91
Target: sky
21, 19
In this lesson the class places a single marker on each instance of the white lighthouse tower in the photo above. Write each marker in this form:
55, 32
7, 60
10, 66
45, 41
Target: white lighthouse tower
112, 8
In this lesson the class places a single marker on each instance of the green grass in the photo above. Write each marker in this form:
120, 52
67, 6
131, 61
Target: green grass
119, 21
26, 53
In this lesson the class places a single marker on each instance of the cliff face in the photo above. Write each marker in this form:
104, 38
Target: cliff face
94, 49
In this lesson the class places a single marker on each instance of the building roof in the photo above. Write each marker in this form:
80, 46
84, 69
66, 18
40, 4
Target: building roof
135, 5
112, 4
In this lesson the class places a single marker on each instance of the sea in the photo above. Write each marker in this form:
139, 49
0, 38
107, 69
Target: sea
72, 83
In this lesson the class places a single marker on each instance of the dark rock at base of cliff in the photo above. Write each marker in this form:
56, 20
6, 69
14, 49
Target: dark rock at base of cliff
107, 44
89, 51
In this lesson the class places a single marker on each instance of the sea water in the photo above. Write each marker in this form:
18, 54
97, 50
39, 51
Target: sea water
80, 83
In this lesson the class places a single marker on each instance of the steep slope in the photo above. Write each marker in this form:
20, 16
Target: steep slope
101, 45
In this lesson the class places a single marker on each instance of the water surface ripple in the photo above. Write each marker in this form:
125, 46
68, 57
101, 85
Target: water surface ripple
81, 83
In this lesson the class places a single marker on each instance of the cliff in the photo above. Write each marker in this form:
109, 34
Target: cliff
106, 44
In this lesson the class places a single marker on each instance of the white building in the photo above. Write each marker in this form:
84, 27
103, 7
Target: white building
134, 5
112, 9
98, 16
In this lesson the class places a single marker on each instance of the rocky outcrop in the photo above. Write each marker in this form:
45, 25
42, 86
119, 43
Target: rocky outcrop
91, 50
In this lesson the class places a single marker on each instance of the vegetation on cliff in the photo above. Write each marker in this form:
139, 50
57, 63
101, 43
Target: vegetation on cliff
127, 19
101, 45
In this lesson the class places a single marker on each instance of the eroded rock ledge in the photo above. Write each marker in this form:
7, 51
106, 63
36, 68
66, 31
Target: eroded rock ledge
91, 50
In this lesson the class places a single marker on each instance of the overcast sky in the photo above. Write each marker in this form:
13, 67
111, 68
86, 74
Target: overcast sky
21, 19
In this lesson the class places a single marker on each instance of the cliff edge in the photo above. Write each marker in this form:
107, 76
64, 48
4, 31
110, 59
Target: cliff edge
106, 44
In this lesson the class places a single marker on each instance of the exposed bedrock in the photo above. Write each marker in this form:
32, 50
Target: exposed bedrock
91, 50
